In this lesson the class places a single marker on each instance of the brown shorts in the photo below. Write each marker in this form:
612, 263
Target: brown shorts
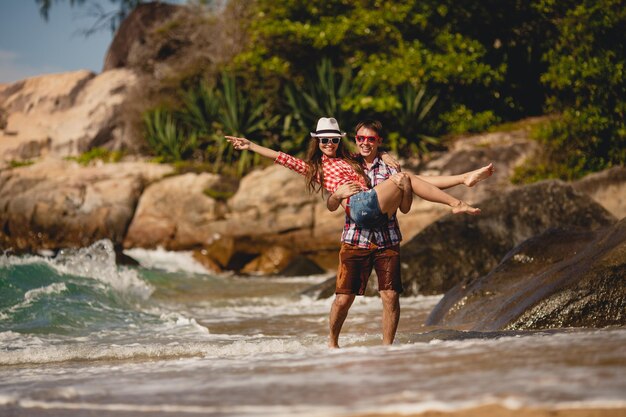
355, 267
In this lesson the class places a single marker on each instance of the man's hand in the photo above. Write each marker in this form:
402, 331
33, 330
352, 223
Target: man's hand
390, 161
401, 180
344, 191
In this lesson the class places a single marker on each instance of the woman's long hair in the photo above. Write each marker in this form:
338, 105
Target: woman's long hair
315, 175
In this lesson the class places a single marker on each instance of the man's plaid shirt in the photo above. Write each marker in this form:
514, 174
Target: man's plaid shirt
383, 237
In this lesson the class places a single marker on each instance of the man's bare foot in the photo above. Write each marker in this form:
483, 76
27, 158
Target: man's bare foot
463, 207
474, 177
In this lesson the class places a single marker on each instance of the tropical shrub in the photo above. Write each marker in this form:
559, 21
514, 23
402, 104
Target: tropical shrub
196, 129
587, 81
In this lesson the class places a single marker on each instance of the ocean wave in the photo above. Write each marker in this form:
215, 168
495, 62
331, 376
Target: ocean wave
221, 347
166, 260
96, 262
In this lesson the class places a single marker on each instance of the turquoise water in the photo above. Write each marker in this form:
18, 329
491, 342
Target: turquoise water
81, 336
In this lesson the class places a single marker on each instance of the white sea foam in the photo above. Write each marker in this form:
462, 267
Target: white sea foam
34, 294
303, 410
44, 354
176, 320
96, 261
166, 260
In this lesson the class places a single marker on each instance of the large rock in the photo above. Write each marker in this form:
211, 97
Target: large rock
62, 114
176, 213
165, 41
561, 278
506, 150
269, 209
607, 188
461, 248
134, 33
56, 204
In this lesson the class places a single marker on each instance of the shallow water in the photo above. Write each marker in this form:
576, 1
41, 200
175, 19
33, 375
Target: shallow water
80, 336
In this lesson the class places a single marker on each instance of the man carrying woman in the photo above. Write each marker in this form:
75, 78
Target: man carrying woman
370, 202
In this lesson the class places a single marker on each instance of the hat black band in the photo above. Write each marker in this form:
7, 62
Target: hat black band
328, 131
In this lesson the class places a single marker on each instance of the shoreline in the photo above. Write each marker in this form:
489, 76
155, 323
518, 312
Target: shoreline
502, 411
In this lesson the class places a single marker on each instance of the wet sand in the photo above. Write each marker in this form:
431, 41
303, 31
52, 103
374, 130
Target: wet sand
498, 411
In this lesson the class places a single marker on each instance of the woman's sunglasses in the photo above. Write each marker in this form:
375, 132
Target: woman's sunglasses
325, 141
370, 139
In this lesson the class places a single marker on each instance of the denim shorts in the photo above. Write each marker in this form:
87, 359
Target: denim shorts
364, 210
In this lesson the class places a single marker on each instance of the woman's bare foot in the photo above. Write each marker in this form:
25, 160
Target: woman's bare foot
463, 207
474, 177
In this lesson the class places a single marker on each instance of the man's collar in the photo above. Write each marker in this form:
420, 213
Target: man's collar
377, 160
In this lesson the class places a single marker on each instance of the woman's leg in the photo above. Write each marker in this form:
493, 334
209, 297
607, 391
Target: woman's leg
390, 195
469, 178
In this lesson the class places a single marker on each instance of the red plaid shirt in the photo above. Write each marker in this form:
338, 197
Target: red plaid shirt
384, 237
336, 171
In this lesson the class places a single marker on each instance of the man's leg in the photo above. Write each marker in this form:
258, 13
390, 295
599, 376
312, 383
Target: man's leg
338, 314
355, 267
391, 315
387, 265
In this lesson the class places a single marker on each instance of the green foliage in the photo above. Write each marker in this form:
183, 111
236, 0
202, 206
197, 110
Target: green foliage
461, 120
409, 119
218, 194
326, 92
97, 154
196, 129
167, 138
461, 50
587, 78
18, 164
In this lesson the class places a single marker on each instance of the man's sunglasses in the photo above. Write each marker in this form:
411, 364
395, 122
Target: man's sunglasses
325, 141
370, 139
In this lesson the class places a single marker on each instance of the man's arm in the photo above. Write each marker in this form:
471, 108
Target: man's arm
344, 191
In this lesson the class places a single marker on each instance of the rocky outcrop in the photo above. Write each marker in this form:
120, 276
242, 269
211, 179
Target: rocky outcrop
561, 278
133, 34
176, 213
270, 212
62, 114
607, 188
164, 41
463, 248
506, 150
56, 204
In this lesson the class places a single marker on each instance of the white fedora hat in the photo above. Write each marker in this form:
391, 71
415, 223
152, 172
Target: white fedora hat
327, 127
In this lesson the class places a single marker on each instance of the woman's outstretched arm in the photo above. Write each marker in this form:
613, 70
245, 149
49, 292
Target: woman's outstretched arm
244, 144
280, 158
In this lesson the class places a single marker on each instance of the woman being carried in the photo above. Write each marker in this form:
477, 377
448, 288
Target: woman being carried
329, 165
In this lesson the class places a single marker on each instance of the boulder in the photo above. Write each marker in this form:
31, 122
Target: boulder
462, 248
300, 266
607, 188
272, 260
134, 33
165, 41
506, 150
62, 114
176, 213
56, 204
561, 278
